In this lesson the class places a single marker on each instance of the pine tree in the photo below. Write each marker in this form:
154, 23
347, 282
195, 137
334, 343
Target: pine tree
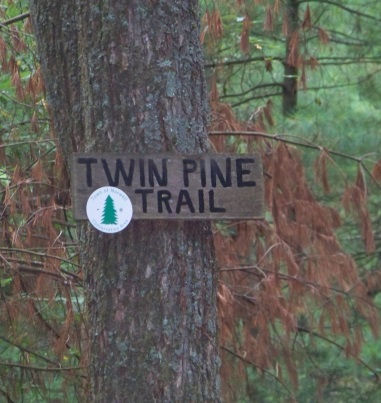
135, 84
109, 215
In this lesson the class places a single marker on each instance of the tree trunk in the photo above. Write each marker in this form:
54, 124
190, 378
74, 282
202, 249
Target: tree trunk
290, 82
127, 76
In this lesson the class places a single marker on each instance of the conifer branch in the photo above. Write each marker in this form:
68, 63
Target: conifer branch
252, 89
44, 369
43, 255
321, 61
262, 96
26, 350
242, 61
60, 276
340, 347
283, 138
345, 8
246, 361
14, 19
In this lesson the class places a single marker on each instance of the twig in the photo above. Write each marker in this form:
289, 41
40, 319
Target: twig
283, 138
15, 19
345, 8
43, 255
246, 361
27, 350
45, 369
340, 347
20, 143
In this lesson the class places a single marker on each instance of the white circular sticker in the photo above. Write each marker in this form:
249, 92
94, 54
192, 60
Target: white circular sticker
109, 209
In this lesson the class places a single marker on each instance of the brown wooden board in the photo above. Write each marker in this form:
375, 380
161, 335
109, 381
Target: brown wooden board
170, 186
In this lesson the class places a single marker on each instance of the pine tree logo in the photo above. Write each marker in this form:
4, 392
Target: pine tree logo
109, 209
109, 215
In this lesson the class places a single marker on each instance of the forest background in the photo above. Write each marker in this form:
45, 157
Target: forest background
299, 292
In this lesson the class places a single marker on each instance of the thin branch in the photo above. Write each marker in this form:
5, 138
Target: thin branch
43, 255
275, 94
350, 84
282, 138
44, 369
253, 89
40, 157
15, 19
24, 123
340, 347
348, 62
21, 143
242, 61
246, 361
26, 350
345, 60
261, 273
60, 275
6, 395
345, 8
354, 59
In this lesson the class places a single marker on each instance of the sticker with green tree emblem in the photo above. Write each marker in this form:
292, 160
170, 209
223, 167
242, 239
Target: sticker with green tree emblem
109, 209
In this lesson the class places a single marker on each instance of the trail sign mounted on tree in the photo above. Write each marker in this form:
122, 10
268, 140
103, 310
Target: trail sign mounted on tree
167, 186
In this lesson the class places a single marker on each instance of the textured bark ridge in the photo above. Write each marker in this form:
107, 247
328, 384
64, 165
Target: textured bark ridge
127, 76
290, 82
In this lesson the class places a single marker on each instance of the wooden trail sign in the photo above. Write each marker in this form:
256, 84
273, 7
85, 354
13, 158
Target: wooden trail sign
170, 186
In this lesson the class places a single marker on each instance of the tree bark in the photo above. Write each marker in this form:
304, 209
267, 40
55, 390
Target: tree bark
127, 76
290, 82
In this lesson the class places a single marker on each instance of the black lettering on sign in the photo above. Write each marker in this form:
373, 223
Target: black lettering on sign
144, 193
88, 162
241, 183
142, 173
201, 201
215, 171
189, 166
119, 169
202, 173
184, 200
212, 207
164, 197
154, 172
173, 186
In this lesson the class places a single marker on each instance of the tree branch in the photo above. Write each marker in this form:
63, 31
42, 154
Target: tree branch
6, 395
244, 101
14, 19
246, 361
345, 60
340, 347
42, 255
345, 8
282, 138
242, 61
24, 349
44, 369
257, 87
